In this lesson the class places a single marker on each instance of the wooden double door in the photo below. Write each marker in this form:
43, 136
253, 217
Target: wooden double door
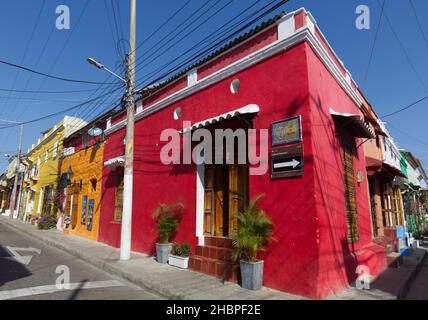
226, 194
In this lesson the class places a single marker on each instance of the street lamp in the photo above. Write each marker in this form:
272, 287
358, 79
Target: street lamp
101, 66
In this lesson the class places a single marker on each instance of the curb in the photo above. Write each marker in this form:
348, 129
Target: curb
105, 266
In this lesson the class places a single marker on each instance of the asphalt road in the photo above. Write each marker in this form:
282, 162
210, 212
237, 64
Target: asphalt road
43, 277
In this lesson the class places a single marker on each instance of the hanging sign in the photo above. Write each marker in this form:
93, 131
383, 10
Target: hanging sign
287, 162
287, 131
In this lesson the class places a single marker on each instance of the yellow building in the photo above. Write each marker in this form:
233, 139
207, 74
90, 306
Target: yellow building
82, 168
43, 160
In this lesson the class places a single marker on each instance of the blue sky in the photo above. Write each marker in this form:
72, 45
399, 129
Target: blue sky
391, 82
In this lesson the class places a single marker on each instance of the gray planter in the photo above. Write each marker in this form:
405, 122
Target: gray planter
251, 274
163, 251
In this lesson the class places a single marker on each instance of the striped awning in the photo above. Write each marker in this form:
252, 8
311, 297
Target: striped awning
115, 162
249, 109
353, 123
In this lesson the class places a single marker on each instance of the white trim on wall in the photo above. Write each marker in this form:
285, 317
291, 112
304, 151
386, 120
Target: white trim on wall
200, 198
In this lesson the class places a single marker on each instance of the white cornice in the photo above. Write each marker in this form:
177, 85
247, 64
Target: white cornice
47, 139
303, 34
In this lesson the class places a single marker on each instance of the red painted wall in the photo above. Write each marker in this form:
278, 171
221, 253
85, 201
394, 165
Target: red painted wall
337, 259
308, 212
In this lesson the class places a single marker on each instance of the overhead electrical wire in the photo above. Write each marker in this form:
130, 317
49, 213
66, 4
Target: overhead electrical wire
403, 48
49, 75
28, 45
418, 22
160, 54
404, 108
200, 54
210, 36
94, 101
374, 41
56, 113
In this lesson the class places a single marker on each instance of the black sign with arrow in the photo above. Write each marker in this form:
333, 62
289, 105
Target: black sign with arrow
287, 161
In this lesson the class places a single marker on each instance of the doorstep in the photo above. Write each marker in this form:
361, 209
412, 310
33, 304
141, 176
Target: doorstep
173, 283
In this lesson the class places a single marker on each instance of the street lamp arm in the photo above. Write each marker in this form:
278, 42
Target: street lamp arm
101, 66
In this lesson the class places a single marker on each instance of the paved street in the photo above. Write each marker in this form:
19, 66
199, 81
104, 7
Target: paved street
37, 279
419, 288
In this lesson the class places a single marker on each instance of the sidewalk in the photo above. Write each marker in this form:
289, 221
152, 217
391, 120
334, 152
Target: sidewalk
392, 284
144, 271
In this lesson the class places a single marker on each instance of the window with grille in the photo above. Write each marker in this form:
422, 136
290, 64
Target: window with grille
55, 150
118, 204
348, 152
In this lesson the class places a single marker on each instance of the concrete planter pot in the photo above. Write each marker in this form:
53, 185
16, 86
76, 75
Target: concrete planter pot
162, 252
251, 274
178, 261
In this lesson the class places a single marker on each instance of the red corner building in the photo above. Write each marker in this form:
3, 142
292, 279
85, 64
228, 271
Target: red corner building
282, 76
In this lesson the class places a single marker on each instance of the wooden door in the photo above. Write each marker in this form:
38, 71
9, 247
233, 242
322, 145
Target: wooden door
118, 205
209, 198
348, 152
238, 194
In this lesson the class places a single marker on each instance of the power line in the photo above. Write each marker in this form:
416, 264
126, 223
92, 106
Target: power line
158, 55
215, 33
403, 48
374, 41
56, 113
408, 135
118, 25
189, 21
48, 75
211, 48
28, 44
418, 22
110, 24
405, 108
47, 92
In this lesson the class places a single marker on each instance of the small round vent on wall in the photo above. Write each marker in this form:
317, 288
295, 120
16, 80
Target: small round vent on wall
235, 85
177, 113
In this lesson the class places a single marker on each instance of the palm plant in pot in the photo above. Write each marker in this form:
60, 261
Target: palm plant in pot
167, 217
254, 232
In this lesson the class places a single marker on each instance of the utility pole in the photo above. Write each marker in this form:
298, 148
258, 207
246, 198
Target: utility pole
18, 164
125, 239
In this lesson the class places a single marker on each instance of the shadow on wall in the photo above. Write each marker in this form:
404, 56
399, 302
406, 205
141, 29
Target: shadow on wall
342, 255
10, 270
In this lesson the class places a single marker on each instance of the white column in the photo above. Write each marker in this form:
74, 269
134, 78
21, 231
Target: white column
200, 197
39, 207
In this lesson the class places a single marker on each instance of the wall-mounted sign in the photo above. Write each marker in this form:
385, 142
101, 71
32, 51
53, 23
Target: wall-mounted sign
287, 131
95, 132
287, 162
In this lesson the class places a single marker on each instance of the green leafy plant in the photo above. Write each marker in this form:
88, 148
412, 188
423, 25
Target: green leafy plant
254, 232
182, 250
46, 222
167, 217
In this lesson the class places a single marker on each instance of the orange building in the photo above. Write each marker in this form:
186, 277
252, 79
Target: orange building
81, 174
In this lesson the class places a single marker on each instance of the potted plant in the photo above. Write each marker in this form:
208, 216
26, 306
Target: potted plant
179, 256
167, 217
254, 232
47, 222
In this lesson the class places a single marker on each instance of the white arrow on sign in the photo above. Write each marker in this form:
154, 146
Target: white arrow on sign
294, 163
22, 259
